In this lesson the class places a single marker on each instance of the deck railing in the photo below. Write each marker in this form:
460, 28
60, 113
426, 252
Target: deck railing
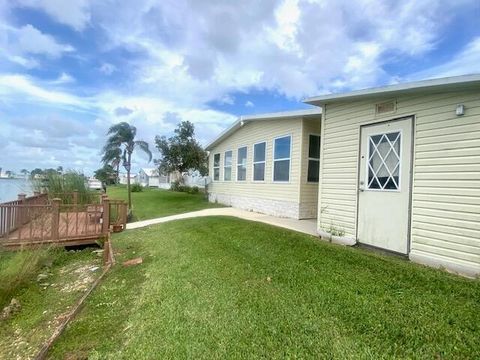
15, 213
40, 219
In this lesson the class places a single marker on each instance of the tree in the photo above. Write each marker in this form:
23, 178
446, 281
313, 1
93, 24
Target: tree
113, 156
36, 171
24, 172
60, 169
122, 136
181, 152
106, 174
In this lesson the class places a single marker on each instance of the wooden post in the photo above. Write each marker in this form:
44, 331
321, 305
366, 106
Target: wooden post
55, 218
106, 214
75, 197
21, 211
125, 211
106, 250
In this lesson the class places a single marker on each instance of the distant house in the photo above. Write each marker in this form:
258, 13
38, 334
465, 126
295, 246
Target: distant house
123, 178
193, 178
395, 168
149, 177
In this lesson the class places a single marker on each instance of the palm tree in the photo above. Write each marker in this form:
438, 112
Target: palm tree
122, 137
112, 155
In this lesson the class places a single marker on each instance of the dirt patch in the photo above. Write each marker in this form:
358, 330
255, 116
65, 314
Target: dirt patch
26, 324
83, 276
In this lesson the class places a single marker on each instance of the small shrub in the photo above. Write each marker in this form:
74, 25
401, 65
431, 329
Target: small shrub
179, 187
193, 190
184, 188
136, 188
175, 185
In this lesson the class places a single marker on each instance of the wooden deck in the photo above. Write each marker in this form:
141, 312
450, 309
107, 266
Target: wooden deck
74, 228
23, 224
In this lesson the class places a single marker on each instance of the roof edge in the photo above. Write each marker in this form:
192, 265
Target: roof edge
402, 87
266, 116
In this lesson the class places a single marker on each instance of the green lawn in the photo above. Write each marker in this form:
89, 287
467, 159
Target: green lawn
153, 203
219, 287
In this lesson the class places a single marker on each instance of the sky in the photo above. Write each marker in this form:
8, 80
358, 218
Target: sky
71, 69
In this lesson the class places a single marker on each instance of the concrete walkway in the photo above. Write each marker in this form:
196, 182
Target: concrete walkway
304, 226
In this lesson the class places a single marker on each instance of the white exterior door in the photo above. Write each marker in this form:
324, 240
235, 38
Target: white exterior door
384, 185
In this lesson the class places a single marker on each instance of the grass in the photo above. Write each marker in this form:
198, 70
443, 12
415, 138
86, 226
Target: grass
43, 301
17, 269
220, 287
153, 203
63, 185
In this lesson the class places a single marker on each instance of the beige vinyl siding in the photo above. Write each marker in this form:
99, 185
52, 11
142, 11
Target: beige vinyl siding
446, 171
248, 135
308, 191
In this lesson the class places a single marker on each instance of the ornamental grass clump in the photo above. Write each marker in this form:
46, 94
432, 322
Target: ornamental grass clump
63, 185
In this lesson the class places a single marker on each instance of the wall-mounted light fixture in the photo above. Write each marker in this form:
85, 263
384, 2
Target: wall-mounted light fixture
460, 110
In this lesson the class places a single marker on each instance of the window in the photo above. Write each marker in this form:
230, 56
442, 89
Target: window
313, 158
242, 164
259, 151
227, 166
281, 159
216, 167
384, 161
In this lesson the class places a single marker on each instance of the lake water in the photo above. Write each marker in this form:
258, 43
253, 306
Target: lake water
10, 188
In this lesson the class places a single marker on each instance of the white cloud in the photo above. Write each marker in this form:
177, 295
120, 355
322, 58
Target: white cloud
227, 99
28, 63
16, 87
466, 61
107, 69
295, 47
63, 78
75, 13
32, 41
249, 104
52, 137
23, 45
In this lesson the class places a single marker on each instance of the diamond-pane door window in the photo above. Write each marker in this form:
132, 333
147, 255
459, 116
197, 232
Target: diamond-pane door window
384, 161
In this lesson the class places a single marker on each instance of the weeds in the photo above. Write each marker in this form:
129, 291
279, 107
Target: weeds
20, 267
63, 186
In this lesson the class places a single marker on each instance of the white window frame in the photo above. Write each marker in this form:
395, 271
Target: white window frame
310, 158
238, 164
259, 162
399, 167
283, 159
217, 167
225, 166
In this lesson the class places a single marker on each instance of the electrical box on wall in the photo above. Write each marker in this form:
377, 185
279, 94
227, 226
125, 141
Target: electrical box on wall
460, 110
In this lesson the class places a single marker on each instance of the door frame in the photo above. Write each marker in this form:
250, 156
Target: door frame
410, 180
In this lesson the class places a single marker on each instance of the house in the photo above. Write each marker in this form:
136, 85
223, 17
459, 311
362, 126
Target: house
123, 179
194, 178
399, 169
149, 177
269, 164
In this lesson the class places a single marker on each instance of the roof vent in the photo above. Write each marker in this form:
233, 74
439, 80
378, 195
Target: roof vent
386, 107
